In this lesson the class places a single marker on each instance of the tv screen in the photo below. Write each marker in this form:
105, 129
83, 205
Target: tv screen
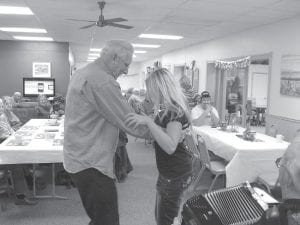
32, 87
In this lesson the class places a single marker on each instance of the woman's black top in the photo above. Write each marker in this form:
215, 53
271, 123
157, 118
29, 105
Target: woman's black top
180, 162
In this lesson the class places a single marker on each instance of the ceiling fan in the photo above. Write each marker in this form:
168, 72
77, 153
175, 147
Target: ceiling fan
105, 22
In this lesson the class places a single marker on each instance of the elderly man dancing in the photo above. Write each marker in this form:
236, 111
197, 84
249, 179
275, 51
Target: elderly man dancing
95, 111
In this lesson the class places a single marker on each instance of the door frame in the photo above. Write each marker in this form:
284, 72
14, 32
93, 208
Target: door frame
221, 97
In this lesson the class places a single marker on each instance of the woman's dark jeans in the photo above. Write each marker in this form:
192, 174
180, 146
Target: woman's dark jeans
168, 197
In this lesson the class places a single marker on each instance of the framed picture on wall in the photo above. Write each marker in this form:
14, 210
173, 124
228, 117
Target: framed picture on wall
41, 69
290, 75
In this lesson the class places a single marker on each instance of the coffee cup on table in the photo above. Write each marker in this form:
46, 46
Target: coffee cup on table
223, 125
279, 138
252, 135
49, 135
53, 116
18, 139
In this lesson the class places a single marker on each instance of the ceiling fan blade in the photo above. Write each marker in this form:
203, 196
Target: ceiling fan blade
119, 25
88, 26
82, 20
119, 19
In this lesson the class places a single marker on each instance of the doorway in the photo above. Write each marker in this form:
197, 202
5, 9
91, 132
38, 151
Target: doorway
257, 96
242, 92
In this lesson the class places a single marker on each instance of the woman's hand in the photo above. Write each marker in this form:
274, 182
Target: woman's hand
133, 120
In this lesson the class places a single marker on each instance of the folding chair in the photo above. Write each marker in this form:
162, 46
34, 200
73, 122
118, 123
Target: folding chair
215, 167
267, 180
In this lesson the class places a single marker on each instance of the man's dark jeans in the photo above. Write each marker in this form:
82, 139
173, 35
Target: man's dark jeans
98, 195
168, 197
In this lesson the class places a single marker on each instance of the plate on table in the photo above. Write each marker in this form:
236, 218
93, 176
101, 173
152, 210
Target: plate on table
58, 142
50, 135
29, 128
24, 133
13, 143
40, 136
45, 136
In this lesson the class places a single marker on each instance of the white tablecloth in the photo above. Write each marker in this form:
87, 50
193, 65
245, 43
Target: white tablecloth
42, 143
247, 159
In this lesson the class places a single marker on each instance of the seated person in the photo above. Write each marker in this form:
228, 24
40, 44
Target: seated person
203, 113
5, 128
232, 103
43, 108
17, 170
148, 107
135, 102
13, 120
188, 90
289, 179
58, 107
128, 93
17, 97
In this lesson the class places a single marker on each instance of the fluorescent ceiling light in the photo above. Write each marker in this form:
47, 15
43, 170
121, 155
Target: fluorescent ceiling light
92, 57
23, 29
145, 46
134, 56
28, 38
139, 51
95, 49
90, 60
159, 36
15, 10
94, 54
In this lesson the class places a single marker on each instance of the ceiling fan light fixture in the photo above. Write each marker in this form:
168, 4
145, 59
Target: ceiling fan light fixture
96, 49
160, 36
145, 46
22, 30
28, 38
139, 51
12, 10
101, 22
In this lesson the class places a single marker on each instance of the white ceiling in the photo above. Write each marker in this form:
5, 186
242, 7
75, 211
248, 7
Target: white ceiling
196, 20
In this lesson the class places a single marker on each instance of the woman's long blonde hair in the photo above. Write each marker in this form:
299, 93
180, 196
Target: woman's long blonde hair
164, 89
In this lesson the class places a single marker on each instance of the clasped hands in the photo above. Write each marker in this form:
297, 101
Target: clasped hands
208, 109
134, 120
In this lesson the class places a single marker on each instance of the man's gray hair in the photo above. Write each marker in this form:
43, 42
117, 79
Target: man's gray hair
117, 47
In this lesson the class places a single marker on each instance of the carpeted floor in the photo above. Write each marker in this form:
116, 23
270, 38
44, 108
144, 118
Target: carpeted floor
136, 197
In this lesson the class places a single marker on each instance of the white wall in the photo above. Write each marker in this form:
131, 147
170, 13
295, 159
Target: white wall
134, 78
280, 38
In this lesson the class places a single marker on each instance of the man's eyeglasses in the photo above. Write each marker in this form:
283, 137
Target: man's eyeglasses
123, 61
207, 101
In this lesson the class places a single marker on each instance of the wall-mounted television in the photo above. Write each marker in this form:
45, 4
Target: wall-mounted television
33, 86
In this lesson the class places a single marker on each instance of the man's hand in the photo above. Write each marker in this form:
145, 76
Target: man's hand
208, 110
133, 120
